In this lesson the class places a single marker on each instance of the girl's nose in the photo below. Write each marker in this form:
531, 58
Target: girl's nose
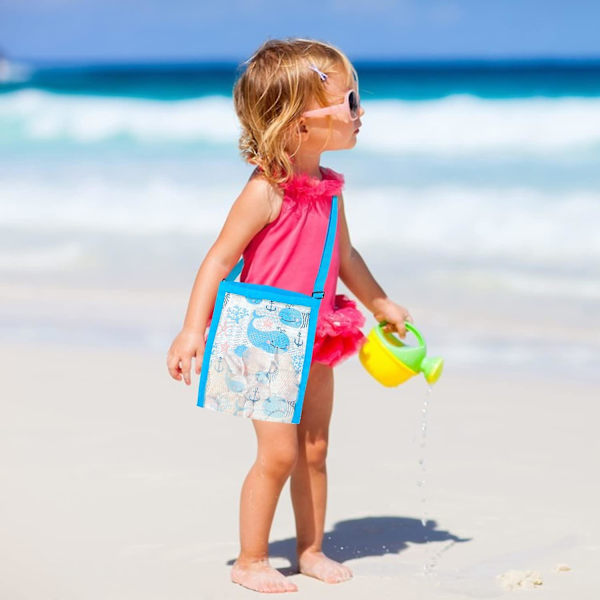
361, 111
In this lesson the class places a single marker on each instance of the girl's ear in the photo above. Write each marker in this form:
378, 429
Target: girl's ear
296, 135
302, 128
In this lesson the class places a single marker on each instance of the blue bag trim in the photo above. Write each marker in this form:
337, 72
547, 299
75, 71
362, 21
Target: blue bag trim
254, 290
209, 343
310, 337
258, 290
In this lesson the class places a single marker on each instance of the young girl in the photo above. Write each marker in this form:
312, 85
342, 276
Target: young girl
296, 99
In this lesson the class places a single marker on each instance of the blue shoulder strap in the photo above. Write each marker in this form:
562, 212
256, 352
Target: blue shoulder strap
235, 271
319, 287
327, 250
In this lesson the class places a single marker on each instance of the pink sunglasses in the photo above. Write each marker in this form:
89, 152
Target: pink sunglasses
347, 110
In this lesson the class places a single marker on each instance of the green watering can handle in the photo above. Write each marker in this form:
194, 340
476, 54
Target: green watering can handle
410, 328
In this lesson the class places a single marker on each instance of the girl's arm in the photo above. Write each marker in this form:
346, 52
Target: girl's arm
250, 212
358, 279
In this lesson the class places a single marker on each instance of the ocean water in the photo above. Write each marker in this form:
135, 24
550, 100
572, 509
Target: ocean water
473, 194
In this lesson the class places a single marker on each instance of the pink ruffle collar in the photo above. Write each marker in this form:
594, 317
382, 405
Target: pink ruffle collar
309, 187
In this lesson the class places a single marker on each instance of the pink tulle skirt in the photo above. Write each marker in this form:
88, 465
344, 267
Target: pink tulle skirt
338, 334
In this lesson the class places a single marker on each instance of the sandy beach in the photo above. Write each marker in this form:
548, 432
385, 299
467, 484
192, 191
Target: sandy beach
116, 486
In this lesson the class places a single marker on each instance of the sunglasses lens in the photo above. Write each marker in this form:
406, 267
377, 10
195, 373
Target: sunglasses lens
353, 102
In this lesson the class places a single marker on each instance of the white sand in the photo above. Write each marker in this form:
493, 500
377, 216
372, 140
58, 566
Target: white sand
117, 487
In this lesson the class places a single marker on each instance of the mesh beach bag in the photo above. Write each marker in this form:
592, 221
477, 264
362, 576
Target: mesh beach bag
260, 342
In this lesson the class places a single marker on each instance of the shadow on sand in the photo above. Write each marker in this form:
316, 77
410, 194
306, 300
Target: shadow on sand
369, 536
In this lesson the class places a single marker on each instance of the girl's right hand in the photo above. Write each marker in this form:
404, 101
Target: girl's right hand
187, 345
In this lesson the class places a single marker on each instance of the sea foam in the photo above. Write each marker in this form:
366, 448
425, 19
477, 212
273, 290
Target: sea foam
454, 125
471, 223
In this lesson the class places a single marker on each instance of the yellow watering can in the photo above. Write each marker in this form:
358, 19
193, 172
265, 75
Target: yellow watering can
392, 362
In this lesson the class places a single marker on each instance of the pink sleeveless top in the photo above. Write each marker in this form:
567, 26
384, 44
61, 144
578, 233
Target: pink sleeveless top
287, 252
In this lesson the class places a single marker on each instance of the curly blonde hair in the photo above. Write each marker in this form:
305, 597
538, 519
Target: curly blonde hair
272, 93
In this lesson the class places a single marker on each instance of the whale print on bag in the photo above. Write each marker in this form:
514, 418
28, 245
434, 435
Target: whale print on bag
291, 316
270, 341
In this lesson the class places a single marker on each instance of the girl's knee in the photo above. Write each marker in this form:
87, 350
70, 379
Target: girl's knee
279, 463
315, 453
277, 448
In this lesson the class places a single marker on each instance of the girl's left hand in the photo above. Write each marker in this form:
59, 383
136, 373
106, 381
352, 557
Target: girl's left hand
395, 315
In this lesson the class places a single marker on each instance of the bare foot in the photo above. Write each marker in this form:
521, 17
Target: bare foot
316, 564
261, 577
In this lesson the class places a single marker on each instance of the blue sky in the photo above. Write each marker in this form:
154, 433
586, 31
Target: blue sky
148, 30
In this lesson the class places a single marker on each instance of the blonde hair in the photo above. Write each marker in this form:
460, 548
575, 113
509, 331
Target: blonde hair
273, 92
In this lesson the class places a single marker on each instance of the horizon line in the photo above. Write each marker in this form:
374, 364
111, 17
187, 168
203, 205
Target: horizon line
366, 61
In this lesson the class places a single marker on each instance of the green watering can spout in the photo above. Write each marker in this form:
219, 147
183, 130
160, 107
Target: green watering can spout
431, 368
412, 357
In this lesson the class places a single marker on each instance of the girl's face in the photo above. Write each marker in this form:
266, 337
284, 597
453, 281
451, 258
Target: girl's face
323, 133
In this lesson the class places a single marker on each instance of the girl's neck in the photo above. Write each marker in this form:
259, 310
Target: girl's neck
308, 165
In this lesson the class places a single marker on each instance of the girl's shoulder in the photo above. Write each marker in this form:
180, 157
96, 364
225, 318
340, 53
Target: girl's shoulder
299, 188
270, 193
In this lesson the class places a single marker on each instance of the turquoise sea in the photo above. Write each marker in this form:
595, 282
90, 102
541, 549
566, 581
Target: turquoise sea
473, 194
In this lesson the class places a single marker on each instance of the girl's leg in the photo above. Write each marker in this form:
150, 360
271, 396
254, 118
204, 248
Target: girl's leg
309, 478
276, 456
